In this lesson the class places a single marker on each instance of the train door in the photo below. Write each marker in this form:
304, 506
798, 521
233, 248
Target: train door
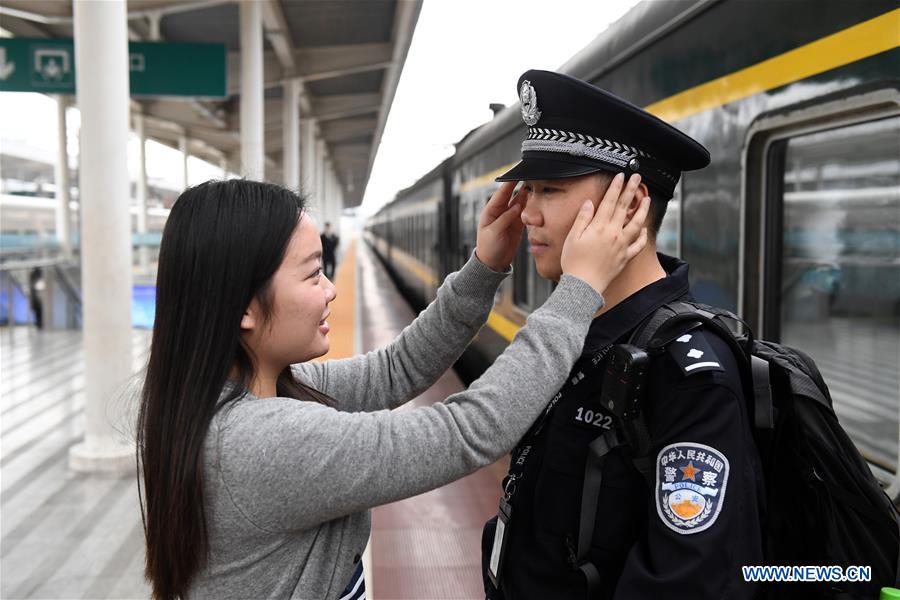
822, 256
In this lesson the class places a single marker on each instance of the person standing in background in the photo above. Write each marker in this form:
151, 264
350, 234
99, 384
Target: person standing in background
36, 287
330, 242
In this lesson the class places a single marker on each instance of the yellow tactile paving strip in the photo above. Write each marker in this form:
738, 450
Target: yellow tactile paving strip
343, 307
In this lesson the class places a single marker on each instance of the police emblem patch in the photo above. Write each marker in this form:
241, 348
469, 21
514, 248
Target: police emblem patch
690, 486
528, 99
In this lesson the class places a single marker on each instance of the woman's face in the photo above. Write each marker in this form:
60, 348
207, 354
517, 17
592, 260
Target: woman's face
297, 329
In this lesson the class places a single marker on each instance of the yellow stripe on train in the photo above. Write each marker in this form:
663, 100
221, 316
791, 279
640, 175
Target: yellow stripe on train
836, 50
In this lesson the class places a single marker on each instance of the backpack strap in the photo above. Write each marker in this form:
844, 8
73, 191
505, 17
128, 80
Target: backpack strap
590, 493
648, 329
763, 406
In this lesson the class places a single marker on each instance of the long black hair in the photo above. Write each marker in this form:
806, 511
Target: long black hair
222, 243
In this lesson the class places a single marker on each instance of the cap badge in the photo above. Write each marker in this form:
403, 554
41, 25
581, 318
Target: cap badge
528, 99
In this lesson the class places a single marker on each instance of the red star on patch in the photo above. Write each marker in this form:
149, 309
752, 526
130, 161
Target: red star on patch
689, 472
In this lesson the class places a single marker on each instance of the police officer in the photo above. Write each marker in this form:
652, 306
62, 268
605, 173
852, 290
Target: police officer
679, 519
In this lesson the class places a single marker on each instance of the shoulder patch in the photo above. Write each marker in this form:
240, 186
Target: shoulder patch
693, 353
690, 486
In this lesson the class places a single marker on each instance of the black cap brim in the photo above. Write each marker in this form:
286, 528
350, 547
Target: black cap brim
542, 167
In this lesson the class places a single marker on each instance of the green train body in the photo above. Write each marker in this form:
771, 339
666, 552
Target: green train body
796, 222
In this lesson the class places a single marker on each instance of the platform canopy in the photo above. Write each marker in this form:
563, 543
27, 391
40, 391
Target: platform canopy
346, 54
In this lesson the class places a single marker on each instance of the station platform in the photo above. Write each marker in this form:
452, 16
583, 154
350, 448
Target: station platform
428, 546
69, 535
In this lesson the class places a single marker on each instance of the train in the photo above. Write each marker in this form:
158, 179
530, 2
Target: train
795, 224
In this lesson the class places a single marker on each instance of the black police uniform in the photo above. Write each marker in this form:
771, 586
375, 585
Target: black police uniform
637, 553
686, 534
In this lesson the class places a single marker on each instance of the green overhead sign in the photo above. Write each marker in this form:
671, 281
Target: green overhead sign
156, 68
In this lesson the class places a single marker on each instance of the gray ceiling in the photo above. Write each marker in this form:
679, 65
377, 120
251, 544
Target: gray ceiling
347, 53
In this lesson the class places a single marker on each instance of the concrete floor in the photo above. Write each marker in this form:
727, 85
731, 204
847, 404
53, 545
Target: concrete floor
62, 534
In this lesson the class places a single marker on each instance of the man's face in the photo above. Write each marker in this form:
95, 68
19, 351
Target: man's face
549, 212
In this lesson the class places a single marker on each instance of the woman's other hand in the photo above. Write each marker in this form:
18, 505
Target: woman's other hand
600, 243
500, 228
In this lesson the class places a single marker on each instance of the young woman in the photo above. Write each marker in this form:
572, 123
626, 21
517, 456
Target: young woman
259, 467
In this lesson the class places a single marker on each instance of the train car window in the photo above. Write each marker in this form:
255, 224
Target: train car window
668, 238
475, 209
522, 273
477, 206
838, 279
542, 288
465, 228
454, 260
530, 290
434, 242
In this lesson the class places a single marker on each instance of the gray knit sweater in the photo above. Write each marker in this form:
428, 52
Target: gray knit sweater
289, 483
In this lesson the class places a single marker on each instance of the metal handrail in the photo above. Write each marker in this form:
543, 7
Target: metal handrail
28, 264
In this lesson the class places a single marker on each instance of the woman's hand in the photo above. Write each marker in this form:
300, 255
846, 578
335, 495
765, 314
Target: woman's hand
500, 228
600, 244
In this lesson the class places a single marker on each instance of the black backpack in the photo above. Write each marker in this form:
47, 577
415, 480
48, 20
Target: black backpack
824, 506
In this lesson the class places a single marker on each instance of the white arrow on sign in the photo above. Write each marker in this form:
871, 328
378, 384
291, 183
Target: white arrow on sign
6, 69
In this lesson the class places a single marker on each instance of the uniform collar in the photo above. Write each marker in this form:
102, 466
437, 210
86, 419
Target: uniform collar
628, 314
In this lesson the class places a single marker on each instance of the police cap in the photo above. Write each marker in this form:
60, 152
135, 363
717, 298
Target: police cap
575, 128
